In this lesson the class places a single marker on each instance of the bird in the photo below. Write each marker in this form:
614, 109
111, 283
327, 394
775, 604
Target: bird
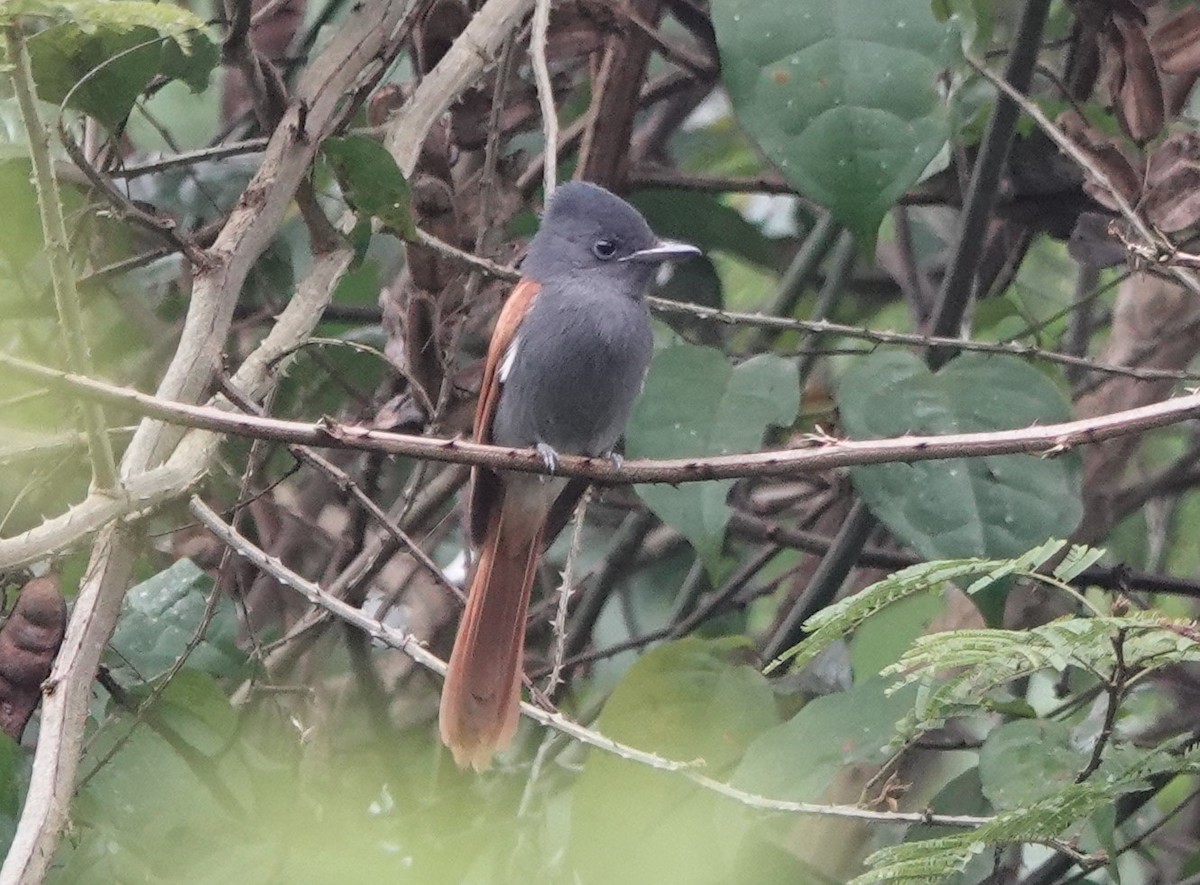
566, 362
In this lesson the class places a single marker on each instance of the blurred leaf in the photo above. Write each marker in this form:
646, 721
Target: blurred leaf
976, 18
191, 64
805, 759
112, 66
705, 221
993, 507
177, 779
695, 403
166, 19
842, 95
22, 240
692, 699
371, 181
880, 640
797, 759
11, 786
160, 617
1027, 760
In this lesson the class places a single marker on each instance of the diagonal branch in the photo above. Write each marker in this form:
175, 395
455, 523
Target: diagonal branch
413, 647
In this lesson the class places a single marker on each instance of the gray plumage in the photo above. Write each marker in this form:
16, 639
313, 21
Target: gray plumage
583, 349
563, 370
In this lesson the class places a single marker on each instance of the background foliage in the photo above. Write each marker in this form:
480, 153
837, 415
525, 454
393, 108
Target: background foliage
1006, 638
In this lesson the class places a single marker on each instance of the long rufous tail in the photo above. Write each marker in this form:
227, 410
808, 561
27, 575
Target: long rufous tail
480, 699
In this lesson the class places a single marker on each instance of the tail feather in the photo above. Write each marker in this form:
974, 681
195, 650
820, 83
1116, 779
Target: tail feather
480, 699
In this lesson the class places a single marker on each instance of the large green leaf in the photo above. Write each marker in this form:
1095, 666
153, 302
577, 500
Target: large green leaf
842, 95
177, 768
160, 617
797, 759
992, 507
705, 221
696, 403
806, 759
104, 69
1025, 761
693, 699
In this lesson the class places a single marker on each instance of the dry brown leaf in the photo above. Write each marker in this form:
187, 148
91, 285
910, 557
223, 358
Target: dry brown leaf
1174, 204
1109, 157
1176, 43
1172, 200
1139, 99
1182, 147
437, 30
387, 99
29, 641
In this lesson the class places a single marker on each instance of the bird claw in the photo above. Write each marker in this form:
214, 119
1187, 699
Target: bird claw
616, 459
549, 457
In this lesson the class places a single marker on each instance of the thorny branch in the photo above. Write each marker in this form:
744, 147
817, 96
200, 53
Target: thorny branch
815, 452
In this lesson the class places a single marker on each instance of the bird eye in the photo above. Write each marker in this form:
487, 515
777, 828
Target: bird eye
604, 249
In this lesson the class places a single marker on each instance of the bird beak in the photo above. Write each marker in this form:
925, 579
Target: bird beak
664, 250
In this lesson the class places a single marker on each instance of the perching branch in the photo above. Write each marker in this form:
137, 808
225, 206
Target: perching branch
816, 452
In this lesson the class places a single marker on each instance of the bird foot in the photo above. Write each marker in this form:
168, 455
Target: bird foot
549, 457
616, 459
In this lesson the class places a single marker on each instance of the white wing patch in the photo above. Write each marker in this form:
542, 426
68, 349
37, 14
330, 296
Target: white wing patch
510, 357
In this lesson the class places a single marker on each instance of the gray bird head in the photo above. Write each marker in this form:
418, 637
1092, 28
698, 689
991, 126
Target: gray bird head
590, 232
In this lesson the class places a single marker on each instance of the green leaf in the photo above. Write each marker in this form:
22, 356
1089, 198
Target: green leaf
798, 759
838, 620
161, 615
695, 404
976, 18
11, 764
105, 69
997, 506
167, 19
692, 699
704, 221
176, 768
880, 640
371, 181
1027, 760
932, 860
960, 671
1078, 560
842, 95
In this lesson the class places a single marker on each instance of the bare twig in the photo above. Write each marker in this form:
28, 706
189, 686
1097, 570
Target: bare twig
1114, 688
1153, 246
346, 483
817, 452
62, 275
545, 94
411, 646
825, 327
462, 63
565, 588
248, 231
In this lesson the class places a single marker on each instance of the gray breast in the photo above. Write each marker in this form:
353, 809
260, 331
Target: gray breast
578, 366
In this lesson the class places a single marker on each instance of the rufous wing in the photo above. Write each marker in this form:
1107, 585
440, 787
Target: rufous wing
485, 484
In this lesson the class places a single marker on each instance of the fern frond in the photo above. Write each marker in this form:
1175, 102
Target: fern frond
930, 861
836, 621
